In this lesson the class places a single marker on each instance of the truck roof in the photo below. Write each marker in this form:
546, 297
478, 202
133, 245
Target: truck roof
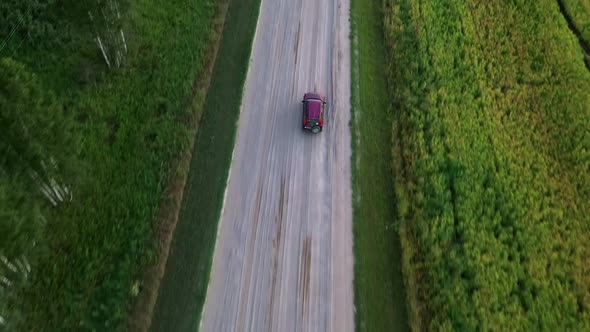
314, 107
313, 95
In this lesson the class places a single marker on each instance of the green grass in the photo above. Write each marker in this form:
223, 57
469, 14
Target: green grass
131, 124
184, 286
579, 11
492, 124
380, 298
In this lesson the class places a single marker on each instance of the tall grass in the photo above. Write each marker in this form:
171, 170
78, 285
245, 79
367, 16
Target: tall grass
579, 11
492, 158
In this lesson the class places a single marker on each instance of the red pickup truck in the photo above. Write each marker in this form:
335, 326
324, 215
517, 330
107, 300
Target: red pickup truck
314, 106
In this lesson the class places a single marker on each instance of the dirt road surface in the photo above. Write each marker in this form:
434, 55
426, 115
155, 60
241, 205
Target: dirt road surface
283, 259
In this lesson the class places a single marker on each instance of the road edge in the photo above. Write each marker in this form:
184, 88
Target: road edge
220, 219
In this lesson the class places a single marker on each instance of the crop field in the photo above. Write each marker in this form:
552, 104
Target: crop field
577, 14
491, 150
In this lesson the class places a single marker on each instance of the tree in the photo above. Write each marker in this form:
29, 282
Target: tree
35, 147
24, 18
34, 131
21, 225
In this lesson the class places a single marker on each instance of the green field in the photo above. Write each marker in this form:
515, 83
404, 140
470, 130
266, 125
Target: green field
579, 11
492, 159
379, 293
184, 287
129, 125
471, 171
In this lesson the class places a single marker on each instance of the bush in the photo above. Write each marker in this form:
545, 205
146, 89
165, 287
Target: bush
36, 134
32, 144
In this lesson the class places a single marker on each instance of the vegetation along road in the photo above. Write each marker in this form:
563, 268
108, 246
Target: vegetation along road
154, 174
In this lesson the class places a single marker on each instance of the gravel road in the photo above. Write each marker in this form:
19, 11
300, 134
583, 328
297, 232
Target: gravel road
283, 259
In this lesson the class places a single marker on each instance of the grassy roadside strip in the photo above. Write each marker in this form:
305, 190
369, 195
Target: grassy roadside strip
141, 318
183, 289
380, 298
